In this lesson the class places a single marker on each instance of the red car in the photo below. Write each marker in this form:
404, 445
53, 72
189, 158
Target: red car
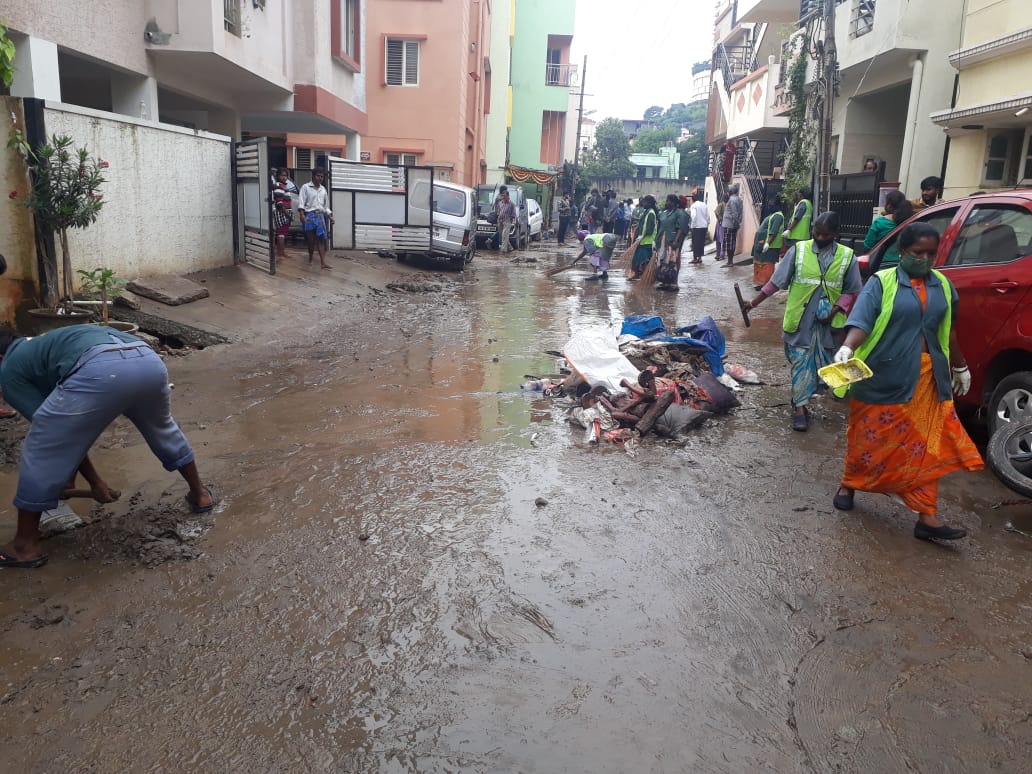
986, 251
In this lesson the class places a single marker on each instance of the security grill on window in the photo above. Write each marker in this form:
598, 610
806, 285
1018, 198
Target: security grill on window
399, 159
861, 18
402, 62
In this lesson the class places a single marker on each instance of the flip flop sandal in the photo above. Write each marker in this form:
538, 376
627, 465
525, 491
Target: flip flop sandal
200, 508
12, 562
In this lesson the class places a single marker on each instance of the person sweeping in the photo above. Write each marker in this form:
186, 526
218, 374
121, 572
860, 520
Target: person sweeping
599, 249
767, 248
648, 228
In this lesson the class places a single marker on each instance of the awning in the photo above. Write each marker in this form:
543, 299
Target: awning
283, 121
999, 114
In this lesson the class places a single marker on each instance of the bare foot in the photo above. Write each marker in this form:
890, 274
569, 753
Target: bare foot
326, 266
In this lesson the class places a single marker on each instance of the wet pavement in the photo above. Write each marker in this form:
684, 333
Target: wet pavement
378, 591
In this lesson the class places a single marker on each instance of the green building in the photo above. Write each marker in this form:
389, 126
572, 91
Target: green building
540, 81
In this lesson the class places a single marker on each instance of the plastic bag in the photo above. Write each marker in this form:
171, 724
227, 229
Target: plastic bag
643, 325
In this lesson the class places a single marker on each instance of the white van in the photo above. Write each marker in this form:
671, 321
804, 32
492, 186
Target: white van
454, 221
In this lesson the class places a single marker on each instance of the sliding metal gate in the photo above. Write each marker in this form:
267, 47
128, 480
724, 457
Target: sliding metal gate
254, 241
378, 207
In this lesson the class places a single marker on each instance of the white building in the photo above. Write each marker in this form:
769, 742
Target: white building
234, 68
701, 76
665, 165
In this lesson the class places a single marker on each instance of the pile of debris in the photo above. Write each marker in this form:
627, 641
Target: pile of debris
649, 379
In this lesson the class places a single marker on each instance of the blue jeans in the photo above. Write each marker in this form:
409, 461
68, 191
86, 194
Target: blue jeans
107, 381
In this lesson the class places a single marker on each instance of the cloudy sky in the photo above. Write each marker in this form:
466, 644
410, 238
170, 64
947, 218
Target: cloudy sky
620, 37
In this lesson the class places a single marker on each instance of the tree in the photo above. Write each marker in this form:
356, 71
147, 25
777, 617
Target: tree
610, 156
653, 113
694, 159
651, 140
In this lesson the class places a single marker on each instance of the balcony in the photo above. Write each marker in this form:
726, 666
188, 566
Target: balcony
770, 11
560, 74
753, 110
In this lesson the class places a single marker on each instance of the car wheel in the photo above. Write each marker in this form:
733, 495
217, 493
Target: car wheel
1010, 456
1011, 401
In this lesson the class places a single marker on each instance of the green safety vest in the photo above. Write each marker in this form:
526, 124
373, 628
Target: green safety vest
808, 278
802, 228
647, 238
778, 240
890, 284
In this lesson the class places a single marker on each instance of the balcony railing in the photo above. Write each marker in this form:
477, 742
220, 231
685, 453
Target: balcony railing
733, 63
563, 74
231, 16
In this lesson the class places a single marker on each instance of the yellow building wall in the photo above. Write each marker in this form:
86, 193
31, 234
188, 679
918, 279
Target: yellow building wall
991, 19
964, 168
996, 79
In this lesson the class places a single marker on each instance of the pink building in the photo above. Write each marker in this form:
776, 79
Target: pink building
428, 85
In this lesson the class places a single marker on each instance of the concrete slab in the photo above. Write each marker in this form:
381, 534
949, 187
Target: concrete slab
168, 289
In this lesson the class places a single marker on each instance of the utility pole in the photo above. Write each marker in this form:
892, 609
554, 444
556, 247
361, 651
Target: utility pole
827, 85
580, 121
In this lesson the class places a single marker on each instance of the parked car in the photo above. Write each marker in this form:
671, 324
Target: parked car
986, 251
486, 229
453, 237
535, 219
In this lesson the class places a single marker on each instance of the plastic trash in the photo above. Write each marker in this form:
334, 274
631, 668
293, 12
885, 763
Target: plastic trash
838, 375
537, 385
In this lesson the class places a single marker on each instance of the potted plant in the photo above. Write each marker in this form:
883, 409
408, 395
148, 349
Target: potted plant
64, 193
107, 286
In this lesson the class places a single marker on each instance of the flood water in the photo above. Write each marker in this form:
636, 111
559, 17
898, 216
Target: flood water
378, 591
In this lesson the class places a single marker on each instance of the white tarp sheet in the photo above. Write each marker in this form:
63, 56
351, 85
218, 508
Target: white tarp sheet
595, 355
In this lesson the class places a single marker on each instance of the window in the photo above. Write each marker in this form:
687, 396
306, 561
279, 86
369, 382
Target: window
939, 220
231, 16
1026, 159
402, 62
345, 26
861, 18
993, 233
999, 150
449, 201
400, 159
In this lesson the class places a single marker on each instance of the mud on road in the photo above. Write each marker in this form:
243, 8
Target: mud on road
378, 591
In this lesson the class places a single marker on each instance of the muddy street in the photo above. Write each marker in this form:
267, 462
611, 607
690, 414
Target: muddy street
378, 591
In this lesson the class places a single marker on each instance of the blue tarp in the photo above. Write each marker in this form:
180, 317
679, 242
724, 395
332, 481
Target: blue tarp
702, 334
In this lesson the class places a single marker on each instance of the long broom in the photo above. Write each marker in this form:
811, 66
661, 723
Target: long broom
648, 277
627, 255
557, 269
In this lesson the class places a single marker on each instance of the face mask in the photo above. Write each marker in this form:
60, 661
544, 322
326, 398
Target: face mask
914, 266
822, 243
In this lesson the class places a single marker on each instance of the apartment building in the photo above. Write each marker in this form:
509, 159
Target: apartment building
430, 92
293, 71
990, 123
499, 116
541, 79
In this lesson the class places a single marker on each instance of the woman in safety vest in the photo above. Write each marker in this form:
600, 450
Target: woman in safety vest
648, 227
767, 248
823, 280
904, 434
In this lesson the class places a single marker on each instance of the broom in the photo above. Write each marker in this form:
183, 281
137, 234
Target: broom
557, 269
628, 254
648, 277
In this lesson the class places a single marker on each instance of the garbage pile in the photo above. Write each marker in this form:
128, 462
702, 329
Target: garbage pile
649, 379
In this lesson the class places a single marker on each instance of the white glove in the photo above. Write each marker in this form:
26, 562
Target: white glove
766, 246
844, 353
786, 233
961, 380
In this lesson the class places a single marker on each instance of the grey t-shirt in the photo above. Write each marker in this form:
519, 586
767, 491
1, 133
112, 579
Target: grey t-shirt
732, 212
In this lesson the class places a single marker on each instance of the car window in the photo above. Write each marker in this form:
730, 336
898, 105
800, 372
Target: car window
993, 233
449, 201
485, 196
939, 220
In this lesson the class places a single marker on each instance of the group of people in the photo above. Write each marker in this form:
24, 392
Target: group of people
603, 213
904, 434
313, 207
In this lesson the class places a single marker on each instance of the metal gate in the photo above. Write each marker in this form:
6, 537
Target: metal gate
254, 242
854, 197
378, 207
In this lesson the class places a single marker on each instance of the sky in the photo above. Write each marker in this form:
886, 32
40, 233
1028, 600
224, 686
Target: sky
620, 37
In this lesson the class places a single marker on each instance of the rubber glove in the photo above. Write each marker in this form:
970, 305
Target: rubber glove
766, 246
844, 353
786, 233
961, 380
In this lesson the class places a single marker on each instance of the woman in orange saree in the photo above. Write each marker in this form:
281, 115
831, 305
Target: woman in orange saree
904, 434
